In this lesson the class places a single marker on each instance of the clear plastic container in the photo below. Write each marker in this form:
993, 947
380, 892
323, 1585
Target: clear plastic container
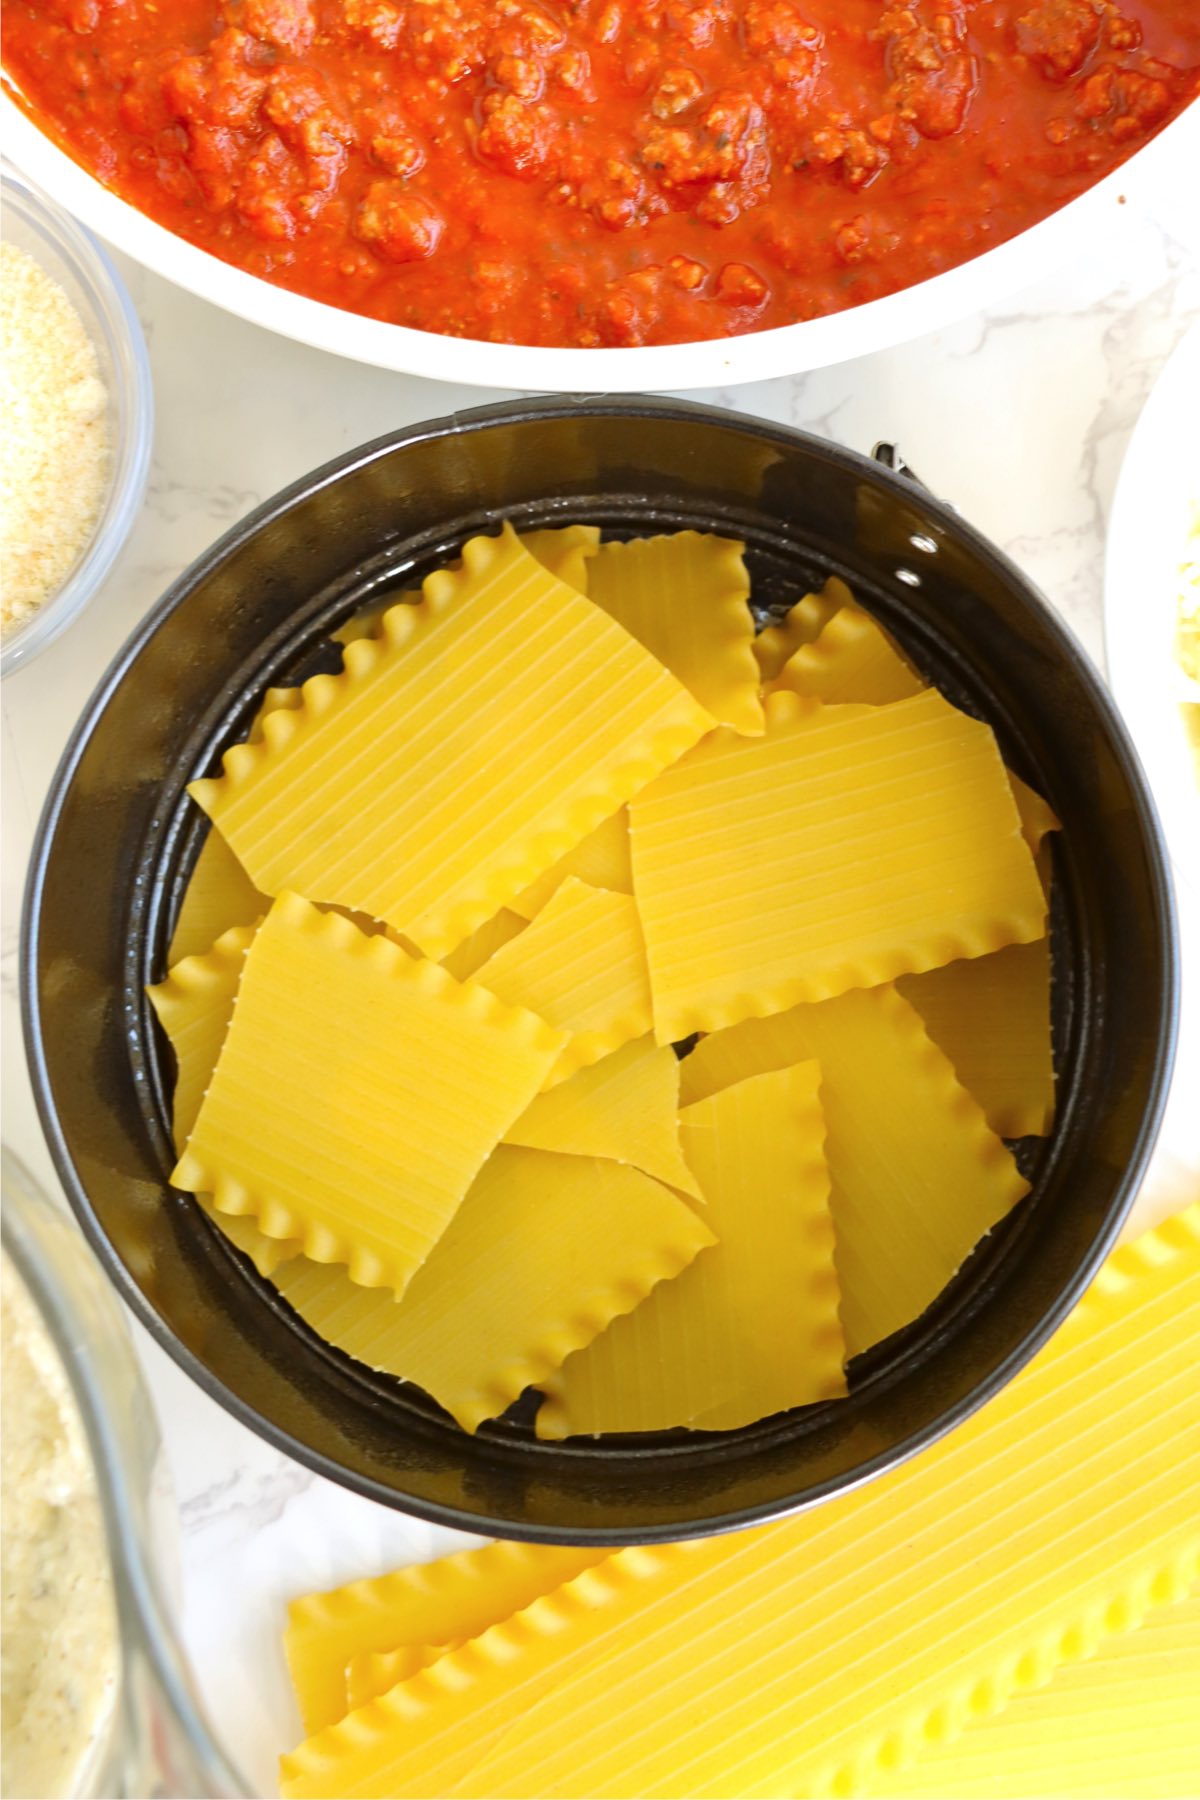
73, 258
157, 1740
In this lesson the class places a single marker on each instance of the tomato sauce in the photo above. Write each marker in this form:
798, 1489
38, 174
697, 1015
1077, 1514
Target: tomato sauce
592, 172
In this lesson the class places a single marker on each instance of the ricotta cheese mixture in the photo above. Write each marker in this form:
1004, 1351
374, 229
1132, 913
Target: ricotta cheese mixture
60, 1663
54, 427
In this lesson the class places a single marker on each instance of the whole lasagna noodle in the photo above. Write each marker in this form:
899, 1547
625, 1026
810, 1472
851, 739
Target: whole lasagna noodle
751, 1328
544, 1251
1121, 1721
581, 965
346, 1049
917, 1175
625, 1107
991, 1016
686, 597
488, 730
818, 1654
428, 1603
895, 846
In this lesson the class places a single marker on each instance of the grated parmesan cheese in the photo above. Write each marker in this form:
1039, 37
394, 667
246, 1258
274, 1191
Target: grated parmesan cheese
54, 432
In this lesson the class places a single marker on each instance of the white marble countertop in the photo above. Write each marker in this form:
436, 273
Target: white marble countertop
1020, 416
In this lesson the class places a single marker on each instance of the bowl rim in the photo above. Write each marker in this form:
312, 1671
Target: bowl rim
537, 411
755, 356
131, 407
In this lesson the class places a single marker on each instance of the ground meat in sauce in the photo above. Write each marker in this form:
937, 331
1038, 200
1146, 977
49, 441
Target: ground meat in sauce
600, 171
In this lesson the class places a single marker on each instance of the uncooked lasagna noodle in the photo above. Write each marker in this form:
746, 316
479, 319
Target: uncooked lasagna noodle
581, 965
751, 1327
544, 1251
374, 1672
1037, 816
601, 859
487, 731
218, 897
895, 846
428, 1603
335, 1111
917, 1175
1123, 1721
803, 622
686, 597
816, 1655
852, 659
483, 944
991, 1016
194, 1006
625, 1107
564, 550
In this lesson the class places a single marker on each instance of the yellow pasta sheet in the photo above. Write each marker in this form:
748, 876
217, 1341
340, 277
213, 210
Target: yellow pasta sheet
805, 621
601, 859
853, 659
194, 1006
487, 731
686, 597
219, 893
918, 1177
428, 1603
482, 944
541, 1254
366, 624
625, 1107
564, 550
991, 1016
1037, 816
815, 1656
1124, 1722
374, 1672
335, 1114
848, 846
276, 699
751, 1328
581, 965
219, 896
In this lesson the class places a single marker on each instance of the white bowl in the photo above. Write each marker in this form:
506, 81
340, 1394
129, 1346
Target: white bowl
713, 364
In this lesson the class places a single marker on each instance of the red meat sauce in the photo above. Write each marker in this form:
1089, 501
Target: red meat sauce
599, 172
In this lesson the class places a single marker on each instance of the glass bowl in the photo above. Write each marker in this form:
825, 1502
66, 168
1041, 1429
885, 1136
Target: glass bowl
156, 1740
73, 258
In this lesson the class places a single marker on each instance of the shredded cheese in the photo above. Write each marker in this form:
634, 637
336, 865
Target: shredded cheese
54, 427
